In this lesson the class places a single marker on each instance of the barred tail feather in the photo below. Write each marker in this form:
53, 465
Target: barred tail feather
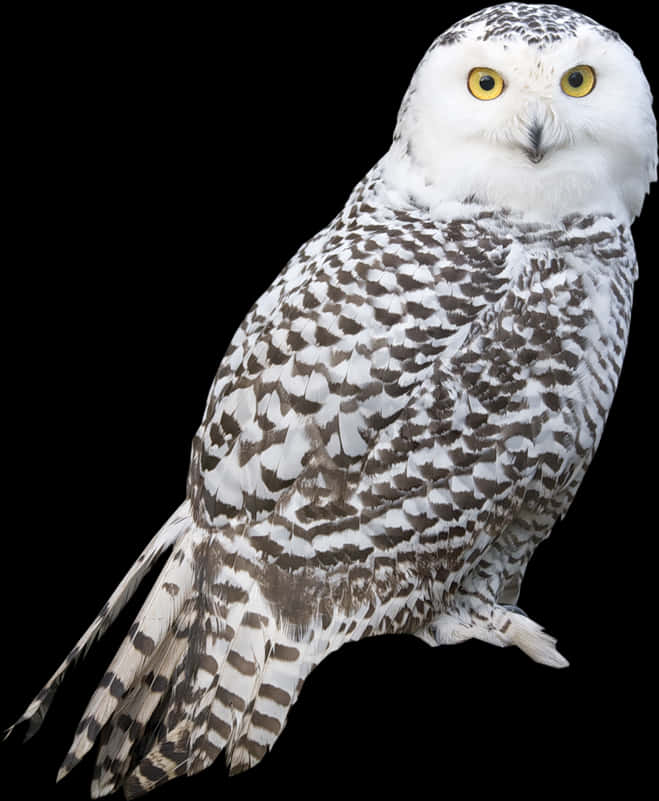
206, 667
280, 682
152, 629
127, 732
170, 532
239, 678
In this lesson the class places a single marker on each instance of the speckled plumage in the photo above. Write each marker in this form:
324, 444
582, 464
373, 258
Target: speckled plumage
398, 422
538, 25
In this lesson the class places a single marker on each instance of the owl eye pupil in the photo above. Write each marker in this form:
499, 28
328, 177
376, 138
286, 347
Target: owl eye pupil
486, 83
575, 79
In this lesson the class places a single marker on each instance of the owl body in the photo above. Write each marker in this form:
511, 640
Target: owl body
406, 412
460, 371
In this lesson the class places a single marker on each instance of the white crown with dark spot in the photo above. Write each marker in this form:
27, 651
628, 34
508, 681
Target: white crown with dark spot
538, 25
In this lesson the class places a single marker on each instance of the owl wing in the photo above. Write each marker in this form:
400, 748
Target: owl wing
342, 339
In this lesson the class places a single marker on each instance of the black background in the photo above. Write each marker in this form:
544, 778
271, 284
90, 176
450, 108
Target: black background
161, 170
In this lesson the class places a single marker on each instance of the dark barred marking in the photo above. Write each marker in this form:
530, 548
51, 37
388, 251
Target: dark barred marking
220, 726
275, 694
230, 700
241, 664
159, 684
266, 722
285, 653
117, 689
208, 663
152, 772
93, 729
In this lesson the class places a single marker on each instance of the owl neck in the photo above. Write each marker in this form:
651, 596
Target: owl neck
507, 180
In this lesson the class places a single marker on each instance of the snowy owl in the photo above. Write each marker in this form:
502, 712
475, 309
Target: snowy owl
405, 413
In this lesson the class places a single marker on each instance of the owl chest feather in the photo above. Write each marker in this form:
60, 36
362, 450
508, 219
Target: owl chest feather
526, 324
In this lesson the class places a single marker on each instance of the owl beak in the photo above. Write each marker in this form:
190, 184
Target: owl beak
535, 151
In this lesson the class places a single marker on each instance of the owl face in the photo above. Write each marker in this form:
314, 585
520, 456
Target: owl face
546, 128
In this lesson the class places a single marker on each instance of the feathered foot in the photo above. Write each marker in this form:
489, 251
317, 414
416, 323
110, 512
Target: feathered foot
501, 627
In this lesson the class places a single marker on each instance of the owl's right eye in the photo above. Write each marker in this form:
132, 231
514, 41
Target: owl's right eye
484, 83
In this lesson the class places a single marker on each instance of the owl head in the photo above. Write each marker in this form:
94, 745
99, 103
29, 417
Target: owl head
532, 108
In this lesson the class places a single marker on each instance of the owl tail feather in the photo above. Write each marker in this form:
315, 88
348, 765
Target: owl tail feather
174, 528
205, 667
222, 678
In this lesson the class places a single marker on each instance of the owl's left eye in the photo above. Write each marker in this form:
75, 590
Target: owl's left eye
484, 83
578, 81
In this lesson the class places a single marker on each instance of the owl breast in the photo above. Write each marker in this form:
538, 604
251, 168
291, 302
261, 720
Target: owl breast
524, 324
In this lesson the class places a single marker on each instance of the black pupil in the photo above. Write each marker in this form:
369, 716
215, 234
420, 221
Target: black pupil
486, 83
575, 79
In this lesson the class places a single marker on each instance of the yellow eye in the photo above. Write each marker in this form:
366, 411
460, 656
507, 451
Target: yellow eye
484, 83
578, 81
